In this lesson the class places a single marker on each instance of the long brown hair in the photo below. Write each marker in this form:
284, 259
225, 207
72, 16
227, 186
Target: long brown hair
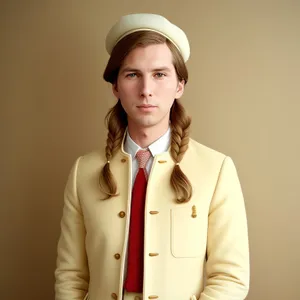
116, 118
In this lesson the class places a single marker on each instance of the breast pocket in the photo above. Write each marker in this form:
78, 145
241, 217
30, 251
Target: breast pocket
188, 232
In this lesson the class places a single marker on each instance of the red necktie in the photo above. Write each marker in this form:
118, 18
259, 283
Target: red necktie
135, 263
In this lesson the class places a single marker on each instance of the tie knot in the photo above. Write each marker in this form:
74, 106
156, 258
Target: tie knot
142, 157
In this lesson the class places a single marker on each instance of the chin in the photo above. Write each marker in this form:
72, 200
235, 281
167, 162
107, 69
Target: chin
146, 123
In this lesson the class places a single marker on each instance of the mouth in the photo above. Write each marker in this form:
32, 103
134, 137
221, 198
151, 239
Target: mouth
146, 107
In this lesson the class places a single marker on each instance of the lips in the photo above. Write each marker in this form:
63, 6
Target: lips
146, 106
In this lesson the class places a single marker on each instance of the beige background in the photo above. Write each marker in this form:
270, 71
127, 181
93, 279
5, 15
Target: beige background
243, 96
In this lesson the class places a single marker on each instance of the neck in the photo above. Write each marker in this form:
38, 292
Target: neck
144, 137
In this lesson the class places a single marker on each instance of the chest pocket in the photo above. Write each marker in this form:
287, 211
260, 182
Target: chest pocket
188, 232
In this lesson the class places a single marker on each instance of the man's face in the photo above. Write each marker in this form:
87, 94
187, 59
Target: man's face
147, 85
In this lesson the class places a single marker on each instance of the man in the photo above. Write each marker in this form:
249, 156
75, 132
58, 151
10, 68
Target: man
156, 215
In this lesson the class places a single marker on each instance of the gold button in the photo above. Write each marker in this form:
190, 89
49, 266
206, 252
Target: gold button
114, 296
122, 214
117, 256
137, 298
123, 160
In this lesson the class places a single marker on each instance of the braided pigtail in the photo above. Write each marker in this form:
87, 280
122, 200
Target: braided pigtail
116, 122
180, 125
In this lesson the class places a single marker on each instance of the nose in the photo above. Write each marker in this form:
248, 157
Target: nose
146, 87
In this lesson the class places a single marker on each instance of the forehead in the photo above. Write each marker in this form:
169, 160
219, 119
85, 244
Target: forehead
149, 56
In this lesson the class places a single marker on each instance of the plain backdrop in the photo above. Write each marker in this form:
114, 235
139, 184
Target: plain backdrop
243, 96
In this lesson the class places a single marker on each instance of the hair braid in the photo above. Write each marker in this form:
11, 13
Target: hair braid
116, 122
180, 125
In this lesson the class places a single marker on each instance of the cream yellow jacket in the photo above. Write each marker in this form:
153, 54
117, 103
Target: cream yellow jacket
195, 250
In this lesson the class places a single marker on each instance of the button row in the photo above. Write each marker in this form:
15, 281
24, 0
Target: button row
123, 160
122, 214
117, 256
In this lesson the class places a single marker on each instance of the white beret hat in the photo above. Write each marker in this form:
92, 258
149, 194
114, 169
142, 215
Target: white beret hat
152, 22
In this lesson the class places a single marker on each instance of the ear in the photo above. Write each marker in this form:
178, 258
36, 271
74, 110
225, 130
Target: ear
115, 90
180, 89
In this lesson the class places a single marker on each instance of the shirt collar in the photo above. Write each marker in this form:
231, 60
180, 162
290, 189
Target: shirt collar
160, 145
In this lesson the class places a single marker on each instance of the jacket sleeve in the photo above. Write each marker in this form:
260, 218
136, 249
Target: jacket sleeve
227, 267
71, 274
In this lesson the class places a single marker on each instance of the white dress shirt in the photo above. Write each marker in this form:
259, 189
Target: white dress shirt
157, 147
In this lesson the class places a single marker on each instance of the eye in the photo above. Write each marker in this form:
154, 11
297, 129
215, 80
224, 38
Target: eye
131, 75
160, 75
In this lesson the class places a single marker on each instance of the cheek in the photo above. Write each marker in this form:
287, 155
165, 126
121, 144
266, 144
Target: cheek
126, 90
168, 88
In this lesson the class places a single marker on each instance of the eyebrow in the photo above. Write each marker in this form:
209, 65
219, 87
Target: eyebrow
159, 69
